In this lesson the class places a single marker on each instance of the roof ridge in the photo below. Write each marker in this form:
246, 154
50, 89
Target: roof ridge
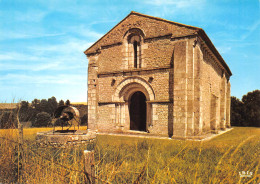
162, 19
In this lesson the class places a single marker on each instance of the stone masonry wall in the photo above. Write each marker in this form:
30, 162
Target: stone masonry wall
211, 80
214, 91
159, 84
187, 89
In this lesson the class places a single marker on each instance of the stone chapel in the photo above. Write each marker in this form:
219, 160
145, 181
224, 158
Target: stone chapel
157, 77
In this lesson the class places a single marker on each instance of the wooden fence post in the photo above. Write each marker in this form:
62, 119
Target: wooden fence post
20, 147
20, 133
89, 167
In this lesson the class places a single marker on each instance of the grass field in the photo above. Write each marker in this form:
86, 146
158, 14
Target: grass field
232, 157
30, 133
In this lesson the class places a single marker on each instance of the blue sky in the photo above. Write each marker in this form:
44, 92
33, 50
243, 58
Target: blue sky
42, 42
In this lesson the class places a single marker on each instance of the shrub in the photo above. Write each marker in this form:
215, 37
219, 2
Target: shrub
84, 119
42, 119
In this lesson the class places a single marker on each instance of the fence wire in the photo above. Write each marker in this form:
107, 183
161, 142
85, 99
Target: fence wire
26, 144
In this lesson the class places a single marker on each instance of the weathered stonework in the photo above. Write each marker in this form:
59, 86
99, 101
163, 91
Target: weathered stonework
65, 139
154, 75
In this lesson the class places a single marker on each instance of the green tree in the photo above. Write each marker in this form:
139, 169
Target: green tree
61, 103
237, 112
44, 106
251, 103
42, 119
52, 105
25, 111
36, 103
247, 111
84, 120
67, 102
35, 108
24, 105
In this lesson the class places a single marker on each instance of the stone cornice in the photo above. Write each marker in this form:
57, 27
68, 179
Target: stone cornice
167, 36
101, 74
123, 102
213, 49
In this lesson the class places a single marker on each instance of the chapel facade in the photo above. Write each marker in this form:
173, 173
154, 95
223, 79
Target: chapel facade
158, 77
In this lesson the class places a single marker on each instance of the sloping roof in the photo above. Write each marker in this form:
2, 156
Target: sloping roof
199, 31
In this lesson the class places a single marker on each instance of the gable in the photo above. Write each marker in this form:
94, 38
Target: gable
151, 26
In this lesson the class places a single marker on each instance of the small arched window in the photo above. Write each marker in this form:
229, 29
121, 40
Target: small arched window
134, 49
135, 54
134, 43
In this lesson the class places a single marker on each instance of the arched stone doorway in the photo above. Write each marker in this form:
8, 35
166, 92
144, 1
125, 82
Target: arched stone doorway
138, 111
131, 94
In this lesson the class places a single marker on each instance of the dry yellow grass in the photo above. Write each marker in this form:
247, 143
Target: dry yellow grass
32, 163
30, 133
175, 161
133, 160
79, 103
8, 105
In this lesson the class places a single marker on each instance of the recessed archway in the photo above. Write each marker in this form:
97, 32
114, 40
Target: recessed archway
128, 84
138, 111
125, 95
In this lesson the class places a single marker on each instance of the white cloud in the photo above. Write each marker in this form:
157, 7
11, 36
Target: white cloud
58, 63
251, 29
58, 57
29, 34
177, 3
82, 9
176, 9
89, 33
229, 36
31, 67
26, 35
47, 64
70, 46
32, 15
6, 57
223, 49
23, 79
85, 31
16, 56
102, 22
